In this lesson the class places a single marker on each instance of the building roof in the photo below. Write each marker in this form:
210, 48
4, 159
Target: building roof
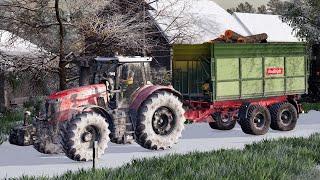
277, 30
204, 19
15, 46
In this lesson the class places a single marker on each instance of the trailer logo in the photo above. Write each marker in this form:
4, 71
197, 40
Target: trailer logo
275, 71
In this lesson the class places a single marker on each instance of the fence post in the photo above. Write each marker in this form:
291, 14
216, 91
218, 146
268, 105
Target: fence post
95, 154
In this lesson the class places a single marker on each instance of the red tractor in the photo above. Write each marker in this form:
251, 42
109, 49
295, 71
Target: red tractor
117, 107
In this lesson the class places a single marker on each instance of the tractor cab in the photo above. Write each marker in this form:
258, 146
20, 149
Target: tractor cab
120, 68
122, 75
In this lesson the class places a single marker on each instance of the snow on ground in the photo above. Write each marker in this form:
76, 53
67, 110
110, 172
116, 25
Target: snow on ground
204, 19
16, 161
277, 30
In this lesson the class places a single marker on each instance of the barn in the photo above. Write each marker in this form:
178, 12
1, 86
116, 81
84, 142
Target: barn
277, 30
189, 22
199, 21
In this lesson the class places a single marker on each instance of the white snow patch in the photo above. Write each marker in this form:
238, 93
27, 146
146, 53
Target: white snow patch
16, 46
204, 19
277, 30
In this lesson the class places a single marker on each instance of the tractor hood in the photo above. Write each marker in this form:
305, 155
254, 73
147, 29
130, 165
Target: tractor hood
62, 106
80, 91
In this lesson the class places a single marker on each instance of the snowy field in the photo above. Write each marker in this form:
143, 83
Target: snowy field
18, 161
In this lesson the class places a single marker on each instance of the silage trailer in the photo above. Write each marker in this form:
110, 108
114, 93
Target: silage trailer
256, 85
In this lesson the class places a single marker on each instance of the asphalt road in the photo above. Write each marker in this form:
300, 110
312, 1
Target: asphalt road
17, 161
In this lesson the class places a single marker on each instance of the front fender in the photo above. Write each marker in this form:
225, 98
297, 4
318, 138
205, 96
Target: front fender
99, 110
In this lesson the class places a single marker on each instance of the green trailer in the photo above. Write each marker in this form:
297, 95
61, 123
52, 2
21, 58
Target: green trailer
217, 80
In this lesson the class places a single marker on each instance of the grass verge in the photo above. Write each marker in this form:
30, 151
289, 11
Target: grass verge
7, 121
311, 106
288, 158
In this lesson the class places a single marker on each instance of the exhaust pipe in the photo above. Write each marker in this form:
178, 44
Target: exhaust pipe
27, 114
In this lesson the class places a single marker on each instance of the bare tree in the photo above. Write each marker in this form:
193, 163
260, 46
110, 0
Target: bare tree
262, 9
243, 7
277, 7
84, 27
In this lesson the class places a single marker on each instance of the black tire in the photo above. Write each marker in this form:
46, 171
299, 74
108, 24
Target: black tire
79, 134
222, 123
160, 121
21, 135
284, 117
118, 128
46, 138
257, 121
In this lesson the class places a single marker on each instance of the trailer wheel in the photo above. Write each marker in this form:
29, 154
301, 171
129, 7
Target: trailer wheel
79, 134
222, 123
160, 121
46, 138
257, 121
284, 117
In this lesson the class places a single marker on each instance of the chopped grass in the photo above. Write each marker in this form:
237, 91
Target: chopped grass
7, 121
288, 158
311, 106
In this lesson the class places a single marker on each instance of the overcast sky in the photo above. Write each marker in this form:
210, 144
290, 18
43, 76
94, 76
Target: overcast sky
233, 3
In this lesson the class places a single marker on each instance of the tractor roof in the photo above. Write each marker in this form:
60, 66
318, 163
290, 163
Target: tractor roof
123, 59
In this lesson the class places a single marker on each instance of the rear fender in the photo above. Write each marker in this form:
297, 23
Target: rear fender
145, 92
139, 97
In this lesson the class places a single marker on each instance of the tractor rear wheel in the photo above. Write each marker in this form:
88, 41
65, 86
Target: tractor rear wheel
222, 123
46, 138
256, 121
160, 121
284, 117
79, 134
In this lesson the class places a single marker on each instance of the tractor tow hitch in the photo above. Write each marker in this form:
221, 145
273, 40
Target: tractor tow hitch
22, 135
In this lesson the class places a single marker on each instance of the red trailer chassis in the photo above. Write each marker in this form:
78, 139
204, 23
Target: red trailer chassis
200, 111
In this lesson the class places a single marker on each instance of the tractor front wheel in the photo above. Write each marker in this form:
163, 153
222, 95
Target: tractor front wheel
79, 134
160, 121
46, 138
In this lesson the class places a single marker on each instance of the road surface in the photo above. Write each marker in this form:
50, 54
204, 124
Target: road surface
17, 161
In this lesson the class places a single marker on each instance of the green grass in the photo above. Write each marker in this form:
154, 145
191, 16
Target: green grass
293, 158
311, 106
7, 122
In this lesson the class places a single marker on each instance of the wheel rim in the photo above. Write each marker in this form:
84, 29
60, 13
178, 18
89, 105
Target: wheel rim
90, 135
259, 121
163, 121
286, 117
225, 120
